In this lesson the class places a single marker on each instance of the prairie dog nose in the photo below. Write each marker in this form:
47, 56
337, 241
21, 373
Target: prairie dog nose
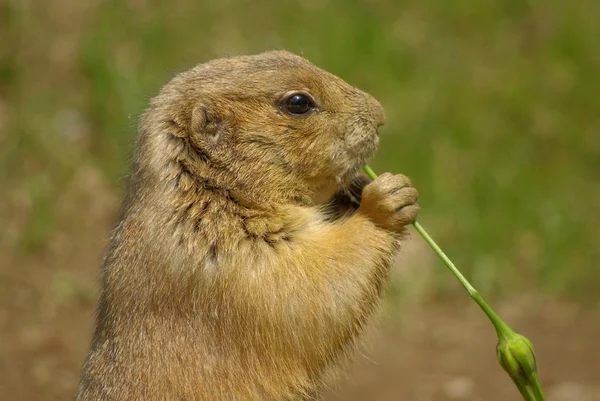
374, 110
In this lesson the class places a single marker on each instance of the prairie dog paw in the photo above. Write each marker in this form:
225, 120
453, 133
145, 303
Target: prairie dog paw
390, 202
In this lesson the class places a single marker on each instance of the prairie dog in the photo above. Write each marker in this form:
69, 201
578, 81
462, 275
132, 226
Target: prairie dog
227, 278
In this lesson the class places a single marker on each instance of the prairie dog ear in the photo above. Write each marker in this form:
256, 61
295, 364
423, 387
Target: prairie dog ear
209, 127
199, 119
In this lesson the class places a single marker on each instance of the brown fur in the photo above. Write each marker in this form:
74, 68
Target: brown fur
226, 278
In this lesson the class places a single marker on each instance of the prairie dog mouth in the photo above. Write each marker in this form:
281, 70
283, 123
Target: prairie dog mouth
347, 160
347, 200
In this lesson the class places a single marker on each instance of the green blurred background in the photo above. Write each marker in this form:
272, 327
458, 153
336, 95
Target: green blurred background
493, 109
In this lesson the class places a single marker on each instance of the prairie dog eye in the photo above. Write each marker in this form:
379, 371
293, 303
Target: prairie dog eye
298, 103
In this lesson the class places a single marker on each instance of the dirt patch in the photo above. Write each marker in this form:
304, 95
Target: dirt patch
448, 353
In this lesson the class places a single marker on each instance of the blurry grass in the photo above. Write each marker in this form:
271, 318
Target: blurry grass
492, 109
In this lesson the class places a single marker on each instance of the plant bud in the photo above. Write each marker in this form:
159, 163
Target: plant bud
516, 356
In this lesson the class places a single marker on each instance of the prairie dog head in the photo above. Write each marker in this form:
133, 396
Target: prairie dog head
265, 128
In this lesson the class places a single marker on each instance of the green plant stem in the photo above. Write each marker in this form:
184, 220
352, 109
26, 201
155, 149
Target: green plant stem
499, 325
509, 342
